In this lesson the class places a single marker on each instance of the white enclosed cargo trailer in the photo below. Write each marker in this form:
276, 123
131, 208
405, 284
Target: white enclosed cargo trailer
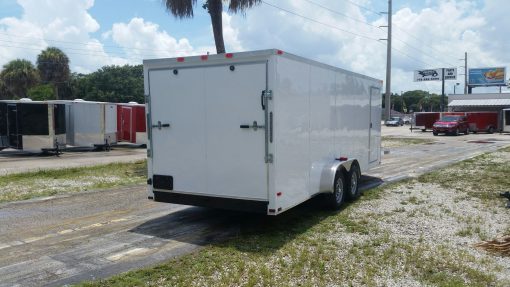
91, 124
258, 131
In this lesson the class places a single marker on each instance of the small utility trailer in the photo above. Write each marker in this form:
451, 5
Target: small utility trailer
131, 124
258, 131
32, 126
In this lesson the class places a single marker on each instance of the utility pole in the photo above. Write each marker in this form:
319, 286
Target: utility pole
388, 67
465, 74
441, 106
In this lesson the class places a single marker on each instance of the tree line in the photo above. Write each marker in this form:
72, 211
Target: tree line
50, 79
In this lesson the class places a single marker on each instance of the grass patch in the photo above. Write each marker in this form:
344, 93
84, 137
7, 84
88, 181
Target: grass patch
22, 186
483, 177
393, 142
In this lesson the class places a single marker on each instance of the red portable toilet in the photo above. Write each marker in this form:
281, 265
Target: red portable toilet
131, 126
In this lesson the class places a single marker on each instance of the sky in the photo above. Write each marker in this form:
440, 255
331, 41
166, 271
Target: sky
342, 33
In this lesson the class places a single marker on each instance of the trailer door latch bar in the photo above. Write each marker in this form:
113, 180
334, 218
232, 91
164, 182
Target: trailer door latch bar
255, 126
160, 125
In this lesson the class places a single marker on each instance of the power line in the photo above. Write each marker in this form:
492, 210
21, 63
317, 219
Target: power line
420, 41
318, 22
87, 43
75, 53
72, 48
342, 14
363, 7
343, 30
369, 24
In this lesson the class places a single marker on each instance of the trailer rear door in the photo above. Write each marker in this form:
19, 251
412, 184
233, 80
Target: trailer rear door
126, 124
198, 128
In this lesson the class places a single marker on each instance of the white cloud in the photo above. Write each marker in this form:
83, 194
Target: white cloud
62, 23
143, 39
230, 34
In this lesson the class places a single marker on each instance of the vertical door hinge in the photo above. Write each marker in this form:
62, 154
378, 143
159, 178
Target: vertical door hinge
269, 158
149, 153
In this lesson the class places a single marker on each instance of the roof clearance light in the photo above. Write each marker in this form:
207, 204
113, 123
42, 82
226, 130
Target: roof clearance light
279, 52
278, 194
342, 158
204, 57
229, 55
180, 59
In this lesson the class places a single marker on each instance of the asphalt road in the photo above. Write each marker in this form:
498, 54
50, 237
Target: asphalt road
12, 161
67, 239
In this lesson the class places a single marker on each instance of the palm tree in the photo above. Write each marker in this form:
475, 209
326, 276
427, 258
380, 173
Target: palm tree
53, 66
184, 9
19, 76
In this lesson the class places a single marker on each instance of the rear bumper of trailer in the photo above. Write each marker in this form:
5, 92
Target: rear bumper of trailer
211, 201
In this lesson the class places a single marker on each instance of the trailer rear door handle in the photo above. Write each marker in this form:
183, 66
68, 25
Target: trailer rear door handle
254, 126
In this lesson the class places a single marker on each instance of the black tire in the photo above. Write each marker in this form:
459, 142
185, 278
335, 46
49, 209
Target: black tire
435, 133
456, 132
336, 198
466, 132
353, 177
490, 130
423, 130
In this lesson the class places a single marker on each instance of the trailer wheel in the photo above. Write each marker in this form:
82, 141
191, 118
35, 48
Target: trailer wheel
434, 133
466, 132
353, 183
423, 130
336, 198
456, 132
490, 130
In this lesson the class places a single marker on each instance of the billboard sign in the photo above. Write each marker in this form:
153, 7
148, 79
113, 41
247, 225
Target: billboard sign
435, 75
487, 76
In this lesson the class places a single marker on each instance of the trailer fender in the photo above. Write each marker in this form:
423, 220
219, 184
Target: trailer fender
329, 170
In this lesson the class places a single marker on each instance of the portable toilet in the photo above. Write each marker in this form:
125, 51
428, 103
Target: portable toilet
131, 124
91, 124
32, 126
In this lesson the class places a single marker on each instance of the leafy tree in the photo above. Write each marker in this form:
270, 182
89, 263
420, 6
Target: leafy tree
19, 76
110, 84
42, 93
53, 66
184, 9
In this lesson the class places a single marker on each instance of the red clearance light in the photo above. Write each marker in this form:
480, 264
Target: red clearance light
229, 55
279, 52
180, 59
278, 194
204, 57
342, 158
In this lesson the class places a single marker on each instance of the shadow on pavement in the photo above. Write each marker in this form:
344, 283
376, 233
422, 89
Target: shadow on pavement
247, 232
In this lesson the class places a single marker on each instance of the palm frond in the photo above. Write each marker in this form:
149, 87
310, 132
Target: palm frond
180, 8
236, 6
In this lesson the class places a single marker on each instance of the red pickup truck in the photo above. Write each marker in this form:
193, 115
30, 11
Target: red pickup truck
451, 124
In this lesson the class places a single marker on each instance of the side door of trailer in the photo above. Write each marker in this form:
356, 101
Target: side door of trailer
374, 134
206, 129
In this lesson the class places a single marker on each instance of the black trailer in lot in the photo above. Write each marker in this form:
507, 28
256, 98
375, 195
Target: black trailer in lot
32, 126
